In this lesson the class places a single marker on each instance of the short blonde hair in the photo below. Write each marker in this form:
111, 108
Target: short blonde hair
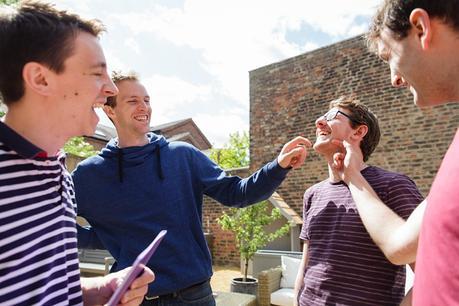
117, 77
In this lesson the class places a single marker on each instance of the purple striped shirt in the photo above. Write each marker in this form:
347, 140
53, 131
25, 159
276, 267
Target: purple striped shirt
345, 267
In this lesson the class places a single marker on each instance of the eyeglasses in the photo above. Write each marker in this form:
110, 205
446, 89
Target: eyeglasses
331, 114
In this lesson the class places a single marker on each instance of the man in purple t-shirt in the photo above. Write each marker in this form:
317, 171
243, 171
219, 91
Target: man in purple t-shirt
341, 264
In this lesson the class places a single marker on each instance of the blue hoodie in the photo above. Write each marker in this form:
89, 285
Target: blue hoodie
128, 195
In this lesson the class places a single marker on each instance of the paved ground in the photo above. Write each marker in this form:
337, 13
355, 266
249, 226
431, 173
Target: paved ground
222, 277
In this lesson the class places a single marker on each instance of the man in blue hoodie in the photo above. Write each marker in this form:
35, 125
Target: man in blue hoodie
140, 184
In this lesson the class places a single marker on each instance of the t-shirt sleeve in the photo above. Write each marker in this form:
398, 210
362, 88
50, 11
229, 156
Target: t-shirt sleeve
307, 200
402, 195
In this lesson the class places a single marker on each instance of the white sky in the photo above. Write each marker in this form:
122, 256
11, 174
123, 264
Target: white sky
194, 56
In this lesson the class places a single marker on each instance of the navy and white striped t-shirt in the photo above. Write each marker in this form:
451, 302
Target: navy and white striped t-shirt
38, 245
345, 267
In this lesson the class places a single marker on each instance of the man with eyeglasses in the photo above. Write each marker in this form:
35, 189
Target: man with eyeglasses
341, 264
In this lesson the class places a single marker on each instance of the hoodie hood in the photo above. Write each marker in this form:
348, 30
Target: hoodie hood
135, 155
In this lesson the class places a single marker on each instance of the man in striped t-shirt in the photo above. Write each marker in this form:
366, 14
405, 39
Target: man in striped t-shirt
341, 264
53, 74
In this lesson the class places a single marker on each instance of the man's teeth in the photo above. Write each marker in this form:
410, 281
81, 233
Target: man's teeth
98, 105
141, 118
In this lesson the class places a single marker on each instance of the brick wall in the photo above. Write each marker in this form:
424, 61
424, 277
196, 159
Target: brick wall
287, 97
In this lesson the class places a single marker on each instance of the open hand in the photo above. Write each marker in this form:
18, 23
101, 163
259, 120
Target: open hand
348, 159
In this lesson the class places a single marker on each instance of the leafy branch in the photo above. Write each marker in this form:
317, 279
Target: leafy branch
248, 224
79, 147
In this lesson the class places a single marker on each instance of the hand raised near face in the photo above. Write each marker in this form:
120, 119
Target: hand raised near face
294, 153
348, 159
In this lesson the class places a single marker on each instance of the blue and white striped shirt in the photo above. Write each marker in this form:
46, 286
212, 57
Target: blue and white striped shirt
38, 244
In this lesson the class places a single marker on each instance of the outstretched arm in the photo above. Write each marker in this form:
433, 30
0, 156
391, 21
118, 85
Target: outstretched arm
237, 192
397, 238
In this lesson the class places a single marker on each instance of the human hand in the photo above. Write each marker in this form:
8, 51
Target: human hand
348, 159
136, 292
294, 153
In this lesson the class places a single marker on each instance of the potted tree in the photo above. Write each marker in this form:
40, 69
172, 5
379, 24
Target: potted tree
248, 225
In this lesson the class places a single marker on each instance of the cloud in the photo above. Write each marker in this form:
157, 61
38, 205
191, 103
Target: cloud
224, 40
170, 95
217, 127
132, 44
238, 36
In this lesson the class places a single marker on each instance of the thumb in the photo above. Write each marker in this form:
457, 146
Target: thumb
338, 159
291, 158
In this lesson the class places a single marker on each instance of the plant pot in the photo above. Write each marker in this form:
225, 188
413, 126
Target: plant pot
250, 286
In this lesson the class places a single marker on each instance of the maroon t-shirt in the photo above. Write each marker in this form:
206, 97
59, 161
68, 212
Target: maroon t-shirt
345, 267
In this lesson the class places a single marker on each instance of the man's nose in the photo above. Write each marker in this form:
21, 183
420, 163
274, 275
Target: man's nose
143, 105
320, 122
110, 88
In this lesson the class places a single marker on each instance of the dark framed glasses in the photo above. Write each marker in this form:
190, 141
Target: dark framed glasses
331, 114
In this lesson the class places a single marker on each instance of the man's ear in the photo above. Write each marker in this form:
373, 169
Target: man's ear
109, 111
359, 132
420, 23
37, 78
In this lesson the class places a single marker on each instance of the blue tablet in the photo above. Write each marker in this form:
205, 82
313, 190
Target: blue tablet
137, 269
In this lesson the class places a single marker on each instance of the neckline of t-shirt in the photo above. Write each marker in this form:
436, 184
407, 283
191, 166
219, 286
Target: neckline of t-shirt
364, 170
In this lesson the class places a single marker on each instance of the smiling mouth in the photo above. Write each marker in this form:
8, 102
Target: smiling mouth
141, 118
98, 105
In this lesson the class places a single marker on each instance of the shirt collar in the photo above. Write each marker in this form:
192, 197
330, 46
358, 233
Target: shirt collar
19, 144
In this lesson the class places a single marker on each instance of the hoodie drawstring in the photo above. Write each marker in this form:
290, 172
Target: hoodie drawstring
120, 165
158, 160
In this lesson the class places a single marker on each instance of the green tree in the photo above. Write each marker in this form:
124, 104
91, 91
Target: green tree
8, 2
234, 154
248, 224
79, 147
2, 113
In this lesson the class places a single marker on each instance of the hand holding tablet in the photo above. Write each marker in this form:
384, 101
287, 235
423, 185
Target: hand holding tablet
136, 269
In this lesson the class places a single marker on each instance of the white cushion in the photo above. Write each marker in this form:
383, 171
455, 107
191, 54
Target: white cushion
282, 297
290, 268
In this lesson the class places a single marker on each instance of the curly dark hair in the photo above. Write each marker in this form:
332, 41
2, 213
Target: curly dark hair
395, 16
361, 115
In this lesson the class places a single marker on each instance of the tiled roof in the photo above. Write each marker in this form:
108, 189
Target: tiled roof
277, 201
